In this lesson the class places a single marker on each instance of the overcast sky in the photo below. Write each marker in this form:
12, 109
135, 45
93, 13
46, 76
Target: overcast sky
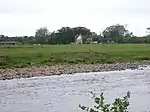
23, 17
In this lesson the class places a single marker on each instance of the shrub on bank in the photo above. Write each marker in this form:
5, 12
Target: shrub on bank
119, 105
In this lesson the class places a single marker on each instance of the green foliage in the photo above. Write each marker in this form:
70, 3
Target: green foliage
81, 30
116, 33
41, 35
66, 35
42, 32
119, 105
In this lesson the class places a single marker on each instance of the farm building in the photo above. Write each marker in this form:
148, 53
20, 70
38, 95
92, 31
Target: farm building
79, 39
3, 43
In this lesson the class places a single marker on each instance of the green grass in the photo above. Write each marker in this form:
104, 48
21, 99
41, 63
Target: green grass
22, 56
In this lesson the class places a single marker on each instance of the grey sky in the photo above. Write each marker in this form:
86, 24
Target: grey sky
23, 17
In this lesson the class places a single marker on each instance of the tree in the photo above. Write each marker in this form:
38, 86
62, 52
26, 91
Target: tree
96, 37
88, 41
81, 30
41, 35
116, 33
2, 38
52, 38
42, 32
147, 39
65, 35
85, 32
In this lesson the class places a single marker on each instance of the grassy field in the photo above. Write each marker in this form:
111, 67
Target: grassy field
22, 56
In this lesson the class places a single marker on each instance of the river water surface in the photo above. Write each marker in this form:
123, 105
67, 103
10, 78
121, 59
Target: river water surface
64, 93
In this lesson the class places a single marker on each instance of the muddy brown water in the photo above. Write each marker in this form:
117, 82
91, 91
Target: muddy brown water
64, 93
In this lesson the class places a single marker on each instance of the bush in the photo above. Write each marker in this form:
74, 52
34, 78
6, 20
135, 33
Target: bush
119, 105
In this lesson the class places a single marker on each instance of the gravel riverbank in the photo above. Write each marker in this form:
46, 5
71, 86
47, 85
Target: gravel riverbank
15, 73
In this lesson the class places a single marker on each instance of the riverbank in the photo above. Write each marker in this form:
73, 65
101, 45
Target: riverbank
27, 72
46, 60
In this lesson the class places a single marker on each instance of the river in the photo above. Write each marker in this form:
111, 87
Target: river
64, 93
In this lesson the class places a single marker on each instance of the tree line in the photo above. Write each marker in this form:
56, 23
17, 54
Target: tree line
66, 35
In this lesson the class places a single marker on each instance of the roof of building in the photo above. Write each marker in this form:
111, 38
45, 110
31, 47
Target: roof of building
79, 37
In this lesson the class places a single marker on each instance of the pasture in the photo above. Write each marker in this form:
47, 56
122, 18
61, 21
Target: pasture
22, 56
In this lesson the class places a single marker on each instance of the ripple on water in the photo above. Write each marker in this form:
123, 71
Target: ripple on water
66, 92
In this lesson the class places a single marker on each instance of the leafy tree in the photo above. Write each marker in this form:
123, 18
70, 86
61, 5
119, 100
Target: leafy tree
81, 30
116, 33
41, 35
42, 32
52, 38
147, 39
2, 38
85, 32
88, 41
65, 35
96, 37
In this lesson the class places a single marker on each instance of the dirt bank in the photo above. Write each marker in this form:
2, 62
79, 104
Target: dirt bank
65, 69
